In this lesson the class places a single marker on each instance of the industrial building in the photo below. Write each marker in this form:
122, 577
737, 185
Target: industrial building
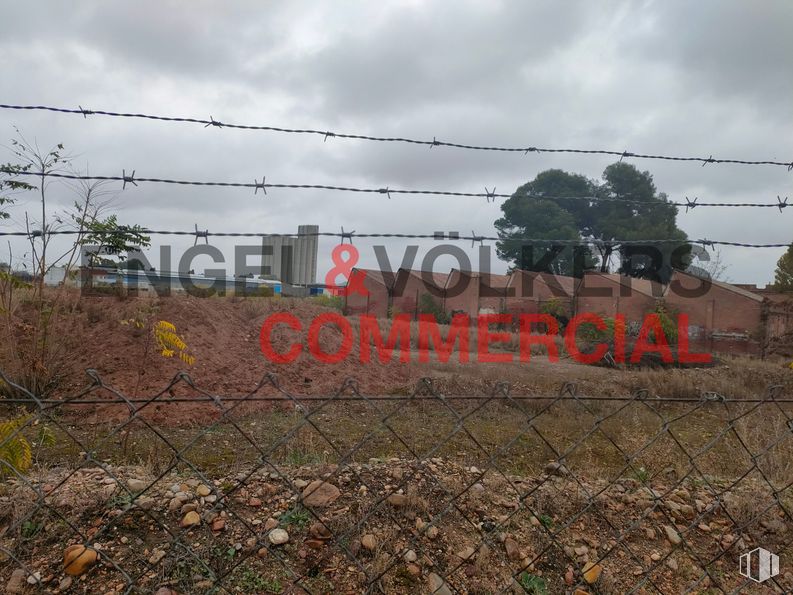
292, 259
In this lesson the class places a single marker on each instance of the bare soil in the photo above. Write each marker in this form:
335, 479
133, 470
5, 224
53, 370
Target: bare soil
222, 334
477, 531
634, 467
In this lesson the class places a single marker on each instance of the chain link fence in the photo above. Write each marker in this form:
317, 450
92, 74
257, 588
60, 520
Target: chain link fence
187, 491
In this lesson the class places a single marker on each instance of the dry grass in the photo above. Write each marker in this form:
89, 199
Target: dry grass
737, 378
34, 338
495, 429
512, 345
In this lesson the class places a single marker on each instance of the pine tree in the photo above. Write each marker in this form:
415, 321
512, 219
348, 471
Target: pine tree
783, 277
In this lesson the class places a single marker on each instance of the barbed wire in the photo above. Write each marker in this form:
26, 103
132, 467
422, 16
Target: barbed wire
205, 234
326, 134
654, 493
489, 195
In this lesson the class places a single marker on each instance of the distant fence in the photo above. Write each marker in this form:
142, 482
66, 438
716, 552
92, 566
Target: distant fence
186, 491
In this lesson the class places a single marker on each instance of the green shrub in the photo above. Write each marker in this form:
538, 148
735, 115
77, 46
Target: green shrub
588, 332
554, 307
428, 305
260, 291
668, 324
330, 301
533, 584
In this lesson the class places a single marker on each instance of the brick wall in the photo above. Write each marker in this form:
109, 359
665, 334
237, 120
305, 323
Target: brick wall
608, 295
724, 319
464, 298
376, 303
409, 286
492, 293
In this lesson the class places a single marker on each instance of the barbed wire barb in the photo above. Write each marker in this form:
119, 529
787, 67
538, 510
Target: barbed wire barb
260, 186
201, 234
490, 194
126, 179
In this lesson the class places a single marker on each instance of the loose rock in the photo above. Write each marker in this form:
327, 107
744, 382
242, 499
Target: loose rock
145, 503
369, 542
278, 536
191, 519
175, 504
555, 468
319, 531
315, 544
270, 524
437, 585
16, 584
592, 572
77, 559
466, 553
397, 500
156, 556
672, 535
569, 576
320, 493
512, 549
188, 507
137, 485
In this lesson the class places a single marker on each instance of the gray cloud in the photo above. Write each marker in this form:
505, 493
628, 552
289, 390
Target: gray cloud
725, 50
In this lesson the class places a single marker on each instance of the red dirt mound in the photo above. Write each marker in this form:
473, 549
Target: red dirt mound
223, 336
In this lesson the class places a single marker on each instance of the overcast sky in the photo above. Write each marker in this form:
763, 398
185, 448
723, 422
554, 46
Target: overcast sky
669, 77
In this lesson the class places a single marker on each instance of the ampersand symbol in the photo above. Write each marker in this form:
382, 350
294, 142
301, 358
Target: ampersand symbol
345, 256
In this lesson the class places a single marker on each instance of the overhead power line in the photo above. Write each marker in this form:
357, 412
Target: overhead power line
326, 134
125, 179
349, 235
